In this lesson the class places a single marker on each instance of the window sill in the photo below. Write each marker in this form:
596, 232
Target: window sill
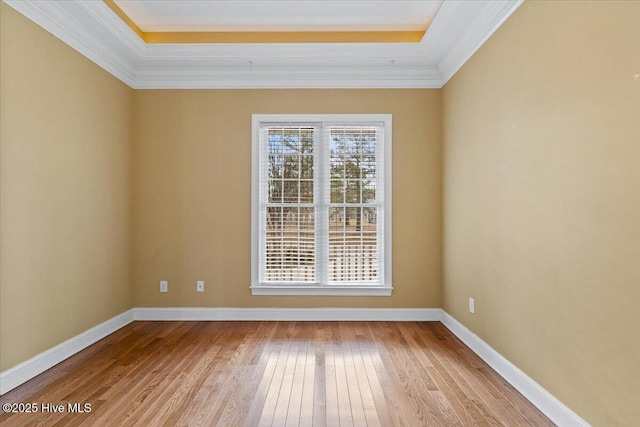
332, 290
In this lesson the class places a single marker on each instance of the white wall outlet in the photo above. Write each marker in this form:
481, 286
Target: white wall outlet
472, 305
200, 286
164, 286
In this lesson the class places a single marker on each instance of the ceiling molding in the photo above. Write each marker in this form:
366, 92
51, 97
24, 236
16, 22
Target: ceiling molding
296, 78
93, 29
57, 20
131, 46
481, 28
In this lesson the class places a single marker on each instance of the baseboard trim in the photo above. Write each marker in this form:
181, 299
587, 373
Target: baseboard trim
531, 390
23, 372
538, 396
292, 314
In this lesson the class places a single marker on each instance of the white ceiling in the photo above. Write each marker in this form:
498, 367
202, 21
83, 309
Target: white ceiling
270, 15
457, 30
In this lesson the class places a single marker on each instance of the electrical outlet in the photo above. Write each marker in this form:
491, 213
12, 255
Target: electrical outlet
164, 286
200, 286
472, 305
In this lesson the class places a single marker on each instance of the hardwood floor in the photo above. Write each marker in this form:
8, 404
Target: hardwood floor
275, 373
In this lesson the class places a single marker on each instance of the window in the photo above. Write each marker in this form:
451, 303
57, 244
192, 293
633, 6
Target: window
321, 205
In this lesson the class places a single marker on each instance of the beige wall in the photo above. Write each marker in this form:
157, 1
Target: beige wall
192, 192
64, 191
542, 201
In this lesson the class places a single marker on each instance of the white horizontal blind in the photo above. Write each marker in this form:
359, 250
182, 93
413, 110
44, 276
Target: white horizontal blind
287, 209
321, 203
354, 203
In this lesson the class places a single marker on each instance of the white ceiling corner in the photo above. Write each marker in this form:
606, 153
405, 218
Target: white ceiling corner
458, 29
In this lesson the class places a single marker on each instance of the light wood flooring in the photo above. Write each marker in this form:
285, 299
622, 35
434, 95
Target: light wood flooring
276, 374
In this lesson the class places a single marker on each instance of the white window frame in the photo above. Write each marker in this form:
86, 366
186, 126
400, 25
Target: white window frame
350, 289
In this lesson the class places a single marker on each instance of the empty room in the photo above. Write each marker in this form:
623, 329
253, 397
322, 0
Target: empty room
320, 213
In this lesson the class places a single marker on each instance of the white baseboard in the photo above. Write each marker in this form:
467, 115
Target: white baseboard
538, 396
23, 372
294, 314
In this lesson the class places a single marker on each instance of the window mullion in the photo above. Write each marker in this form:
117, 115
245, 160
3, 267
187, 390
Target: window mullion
320, 177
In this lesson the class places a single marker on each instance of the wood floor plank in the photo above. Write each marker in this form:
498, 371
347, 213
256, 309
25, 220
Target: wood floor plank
285, 394
276, 374
294, 406
320, 387
393, 383
269, 408
342, 387
244, 390
332, 409
438, 407
463, 408
366, 395
199, 394
230, 382
270, 352
163, 391
418, 400
383, 416
308, 383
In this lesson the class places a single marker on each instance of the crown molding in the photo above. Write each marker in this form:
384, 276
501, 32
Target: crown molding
481, 28
94, 30
131, 43
446, 26
54, 17
296, 78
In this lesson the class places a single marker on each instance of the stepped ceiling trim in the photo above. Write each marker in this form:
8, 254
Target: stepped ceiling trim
92, 28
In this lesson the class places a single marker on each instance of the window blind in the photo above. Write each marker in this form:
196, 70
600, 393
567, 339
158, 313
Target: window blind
354, 197
287, 209
321, 203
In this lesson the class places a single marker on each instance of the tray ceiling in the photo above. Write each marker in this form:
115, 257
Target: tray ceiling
455, 29
269, 15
